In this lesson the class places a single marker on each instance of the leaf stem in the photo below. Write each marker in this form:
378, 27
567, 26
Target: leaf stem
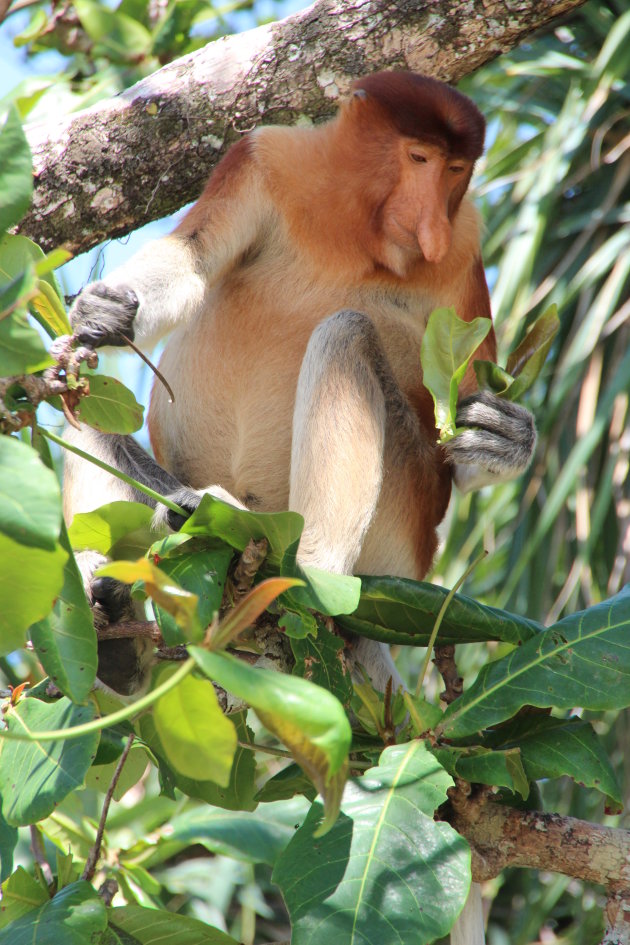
139, 486
97, 725
440, 617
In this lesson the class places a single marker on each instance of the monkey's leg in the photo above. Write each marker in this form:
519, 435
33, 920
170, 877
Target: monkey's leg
337, 455
338, 440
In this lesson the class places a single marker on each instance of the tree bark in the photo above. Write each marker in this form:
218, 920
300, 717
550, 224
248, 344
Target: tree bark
503, 836
105, 171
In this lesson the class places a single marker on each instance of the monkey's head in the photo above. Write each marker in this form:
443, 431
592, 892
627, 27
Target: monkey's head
421, 138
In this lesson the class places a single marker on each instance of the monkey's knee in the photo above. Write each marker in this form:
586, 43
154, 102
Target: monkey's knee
345, 332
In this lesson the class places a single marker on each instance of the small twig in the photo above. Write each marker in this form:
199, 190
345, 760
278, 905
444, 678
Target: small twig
266, 749
95, 852
445, 661
240, 584
39, 854
108, 890
152, 367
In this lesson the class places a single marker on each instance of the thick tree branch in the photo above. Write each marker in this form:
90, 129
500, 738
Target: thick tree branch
502, 836
105, 171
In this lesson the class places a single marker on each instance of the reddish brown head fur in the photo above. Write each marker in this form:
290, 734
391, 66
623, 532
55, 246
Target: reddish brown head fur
424, 108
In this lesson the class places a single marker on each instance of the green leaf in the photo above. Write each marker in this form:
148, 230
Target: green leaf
36, 776
106, 527
121, 37
484, 766
298, 625
237, 527
338, 889
8, 843
18, 253
258, 837
321, 660
67, 870
157, 927
110, 406
553, 748
308, 719
162, 589
30, 501
286, 784
239, 793
17, 292
492, 377
528, 358
397, 610
99, 777
327, 593
30, 579
196, 736
447, 346
48, 309
582, 660
21, 349
65, 639
201, 573
20, 894
75, 916
16, 172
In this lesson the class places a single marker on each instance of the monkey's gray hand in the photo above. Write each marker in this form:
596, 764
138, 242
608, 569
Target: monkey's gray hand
102, 314
496, 444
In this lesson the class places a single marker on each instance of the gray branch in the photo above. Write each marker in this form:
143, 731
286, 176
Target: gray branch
142, 155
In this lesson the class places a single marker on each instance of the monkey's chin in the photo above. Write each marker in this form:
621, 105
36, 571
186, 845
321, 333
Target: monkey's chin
400, 258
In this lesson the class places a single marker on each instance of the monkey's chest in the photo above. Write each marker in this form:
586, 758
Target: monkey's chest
234, 373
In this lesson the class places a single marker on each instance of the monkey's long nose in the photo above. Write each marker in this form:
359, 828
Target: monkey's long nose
434, 236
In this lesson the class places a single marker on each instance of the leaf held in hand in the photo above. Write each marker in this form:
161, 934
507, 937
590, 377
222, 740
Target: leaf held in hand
447, 346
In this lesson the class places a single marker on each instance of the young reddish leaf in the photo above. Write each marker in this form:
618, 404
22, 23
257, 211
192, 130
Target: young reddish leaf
246, 612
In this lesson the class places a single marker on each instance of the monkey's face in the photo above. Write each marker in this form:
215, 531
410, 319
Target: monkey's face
417, 216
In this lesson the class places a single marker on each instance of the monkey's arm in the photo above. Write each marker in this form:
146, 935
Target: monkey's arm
166, 282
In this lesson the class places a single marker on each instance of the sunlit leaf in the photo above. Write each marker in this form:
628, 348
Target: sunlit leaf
75, 915
308, 719
110, 406
197, 738
16, 172
36, 776
30, 500
447, 346
339, 887
582, 660
136, 924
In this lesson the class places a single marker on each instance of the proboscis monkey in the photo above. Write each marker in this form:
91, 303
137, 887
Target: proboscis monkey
297, 290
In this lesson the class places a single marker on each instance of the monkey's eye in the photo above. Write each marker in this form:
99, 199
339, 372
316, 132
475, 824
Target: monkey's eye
417, 157
456, 169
